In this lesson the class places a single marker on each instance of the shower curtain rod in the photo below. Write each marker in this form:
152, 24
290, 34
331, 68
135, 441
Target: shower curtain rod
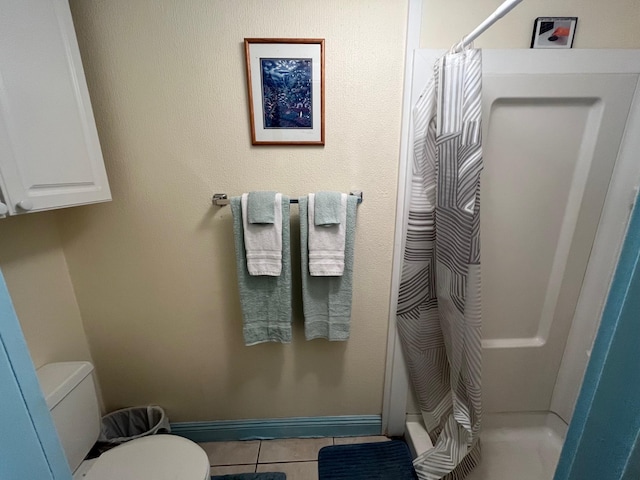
500, 12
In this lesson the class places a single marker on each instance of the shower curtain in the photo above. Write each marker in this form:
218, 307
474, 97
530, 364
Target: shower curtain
438, 315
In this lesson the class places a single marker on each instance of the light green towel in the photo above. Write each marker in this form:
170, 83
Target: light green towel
327, 208
261, 207
265, 300
327, 300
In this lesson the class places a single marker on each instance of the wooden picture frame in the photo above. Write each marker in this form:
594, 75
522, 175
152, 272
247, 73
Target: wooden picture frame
285, 83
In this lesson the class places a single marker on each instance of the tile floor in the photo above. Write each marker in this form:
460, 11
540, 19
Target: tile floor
297, 457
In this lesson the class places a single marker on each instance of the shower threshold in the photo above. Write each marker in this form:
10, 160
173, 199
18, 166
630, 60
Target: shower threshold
525, 446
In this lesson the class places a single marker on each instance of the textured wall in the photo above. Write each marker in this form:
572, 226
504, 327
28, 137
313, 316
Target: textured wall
600, 24
34, 267
154, 270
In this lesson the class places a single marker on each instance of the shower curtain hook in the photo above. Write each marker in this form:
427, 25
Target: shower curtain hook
459, 47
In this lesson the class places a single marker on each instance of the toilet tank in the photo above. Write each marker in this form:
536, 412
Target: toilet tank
70, 393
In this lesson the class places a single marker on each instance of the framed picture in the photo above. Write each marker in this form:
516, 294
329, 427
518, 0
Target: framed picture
554, 32
285, 81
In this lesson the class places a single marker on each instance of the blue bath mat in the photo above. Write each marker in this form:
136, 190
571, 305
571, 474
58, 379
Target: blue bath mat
252, 476
366, 461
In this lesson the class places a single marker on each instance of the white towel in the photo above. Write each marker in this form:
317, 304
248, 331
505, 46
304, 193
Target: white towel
263, 242
326, 243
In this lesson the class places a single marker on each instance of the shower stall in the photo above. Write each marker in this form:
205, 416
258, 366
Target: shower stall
558, 184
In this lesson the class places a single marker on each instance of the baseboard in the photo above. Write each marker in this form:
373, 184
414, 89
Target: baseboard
270, 428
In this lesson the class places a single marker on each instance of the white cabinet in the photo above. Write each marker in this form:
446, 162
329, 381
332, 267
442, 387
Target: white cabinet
49, 149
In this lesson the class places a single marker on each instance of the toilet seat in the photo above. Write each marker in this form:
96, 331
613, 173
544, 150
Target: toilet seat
161, 457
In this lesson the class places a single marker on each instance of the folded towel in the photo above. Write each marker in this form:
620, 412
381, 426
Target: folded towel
327, 300
328, 208
326, 243
265, 300
262, 207
263, 241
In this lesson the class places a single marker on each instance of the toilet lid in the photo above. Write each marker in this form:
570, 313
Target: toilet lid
160, 457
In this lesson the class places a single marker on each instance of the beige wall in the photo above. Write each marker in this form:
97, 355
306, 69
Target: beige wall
154, 270
33, 264
601, 24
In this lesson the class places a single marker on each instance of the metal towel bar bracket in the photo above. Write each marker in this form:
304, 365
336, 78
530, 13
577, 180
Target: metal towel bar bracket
222, 199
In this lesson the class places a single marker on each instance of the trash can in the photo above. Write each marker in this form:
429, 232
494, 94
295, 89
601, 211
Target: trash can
131, 423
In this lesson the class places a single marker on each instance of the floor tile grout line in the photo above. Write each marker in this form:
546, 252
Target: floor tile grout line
332, 441
288, 461
255, 467
258, 456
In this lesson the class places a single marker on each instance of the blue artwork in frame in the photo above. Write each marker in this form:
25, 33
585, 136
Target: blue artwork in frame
285, 84
287, 95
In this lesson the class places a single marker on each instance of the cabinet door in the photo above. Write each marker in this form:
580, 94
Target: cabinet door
29, 445
49, 150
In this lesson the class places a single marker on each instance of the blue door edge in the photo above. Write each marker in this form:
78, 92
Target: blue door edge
13, 340
602, 436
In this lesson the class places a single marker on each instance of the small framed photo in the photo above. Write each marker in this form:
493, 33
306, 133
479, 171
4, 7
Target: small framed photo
285, 81
554, 32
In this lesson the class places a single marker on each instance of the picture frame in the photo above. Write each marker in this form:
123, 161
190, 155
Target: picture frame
285, 84
554, 32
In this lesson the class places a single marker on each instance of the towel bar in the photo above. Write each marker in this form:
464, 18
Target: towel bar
222, 199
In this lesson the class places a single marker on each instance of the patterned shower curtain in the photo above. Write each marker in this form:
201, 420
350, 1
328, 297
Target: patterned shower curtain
438, 313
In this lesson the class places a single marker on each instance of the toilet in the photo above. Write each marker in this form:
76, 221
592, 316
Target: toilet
70, 393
